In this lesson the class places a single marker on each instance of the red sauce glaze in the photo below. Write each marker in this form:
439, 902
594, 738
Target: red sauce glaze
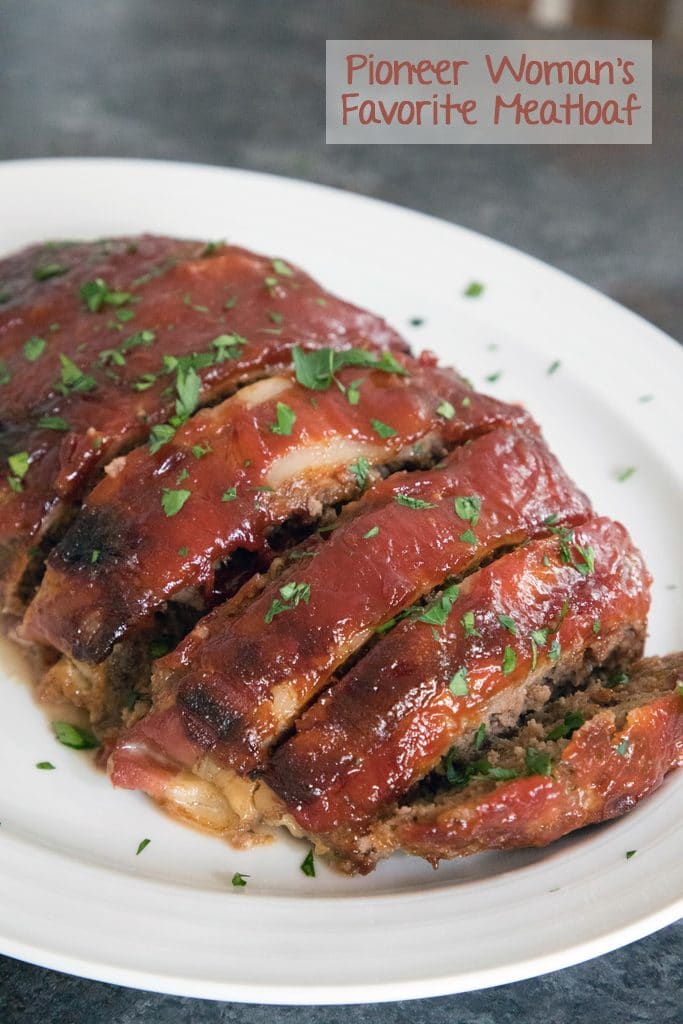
239, 682
393, 717
186, 300
144, 557
591, 782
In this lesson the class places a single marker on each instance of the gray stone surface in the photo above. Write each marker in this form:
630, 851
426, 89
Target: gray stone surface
240, 82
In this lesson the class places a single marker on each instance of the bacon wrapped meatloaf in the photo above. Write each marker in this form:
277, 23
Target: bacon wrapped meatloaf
296, 576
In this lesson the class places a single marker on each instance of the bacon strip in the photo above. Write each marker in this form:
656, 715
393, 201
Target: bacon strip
602, 772
124, 556
157, 298
395, 715
242, 677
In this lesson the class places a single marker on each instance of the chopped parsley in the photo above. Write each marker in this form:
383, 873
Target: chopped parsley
446, 410
361, 471
493, 377
308, 865
159, 435
372, 532
625, 474
95, 555
200, 450
72, 378
474, 290
437, 612
623, 748
34, 348
383, 429
416, 321
228, 346
509, 661
73, 736
573, 720
45, 766
229, 495
19, 463
468, 508
630, 853
467, 622
291, 594
53, 423
142, 845
415, 503
172, 501
239, 880
507, 622
468, 537
537, 762
47, 270
281, 268
286, 418
458, 684
596, 627
479, 736
317, 369
96, 293
554, 367
352, 392
183, 551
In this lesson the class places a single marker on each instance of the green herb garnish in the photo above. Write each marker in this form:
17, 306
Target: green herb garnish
291, 594
73, 736
415, 503
34, 348
537, 762
173, 500
286, 418
308, 865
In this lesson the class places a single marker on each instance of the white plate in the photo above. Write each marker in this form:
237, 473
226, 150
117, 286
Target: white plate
73, 893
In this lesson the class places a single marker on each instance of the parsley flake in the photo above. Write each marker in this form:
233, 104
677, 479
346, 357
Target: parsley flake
34, 348
630, 853
625, 474
286, 418
291, 594
282, 268
573, 720
73, 736
53, 423
415, 503
458, 684
468, 508
47, 270
96, 293
308, 865
45, 766
437, 612
361, 471
507, 622
623, 747
372, 532
72, 378
446, 410
468, 537
142, 845
474, 289
239, 880
509, 661
537, 762
173, 500
383, 429
229, 495
467, 622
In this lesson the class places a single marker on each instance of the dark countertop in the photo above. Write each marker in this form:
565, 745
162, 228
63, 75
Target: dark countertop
240, 82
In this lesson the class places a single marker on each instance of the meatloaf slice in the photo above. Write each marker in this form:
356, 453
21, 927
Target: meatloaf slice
584, 758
